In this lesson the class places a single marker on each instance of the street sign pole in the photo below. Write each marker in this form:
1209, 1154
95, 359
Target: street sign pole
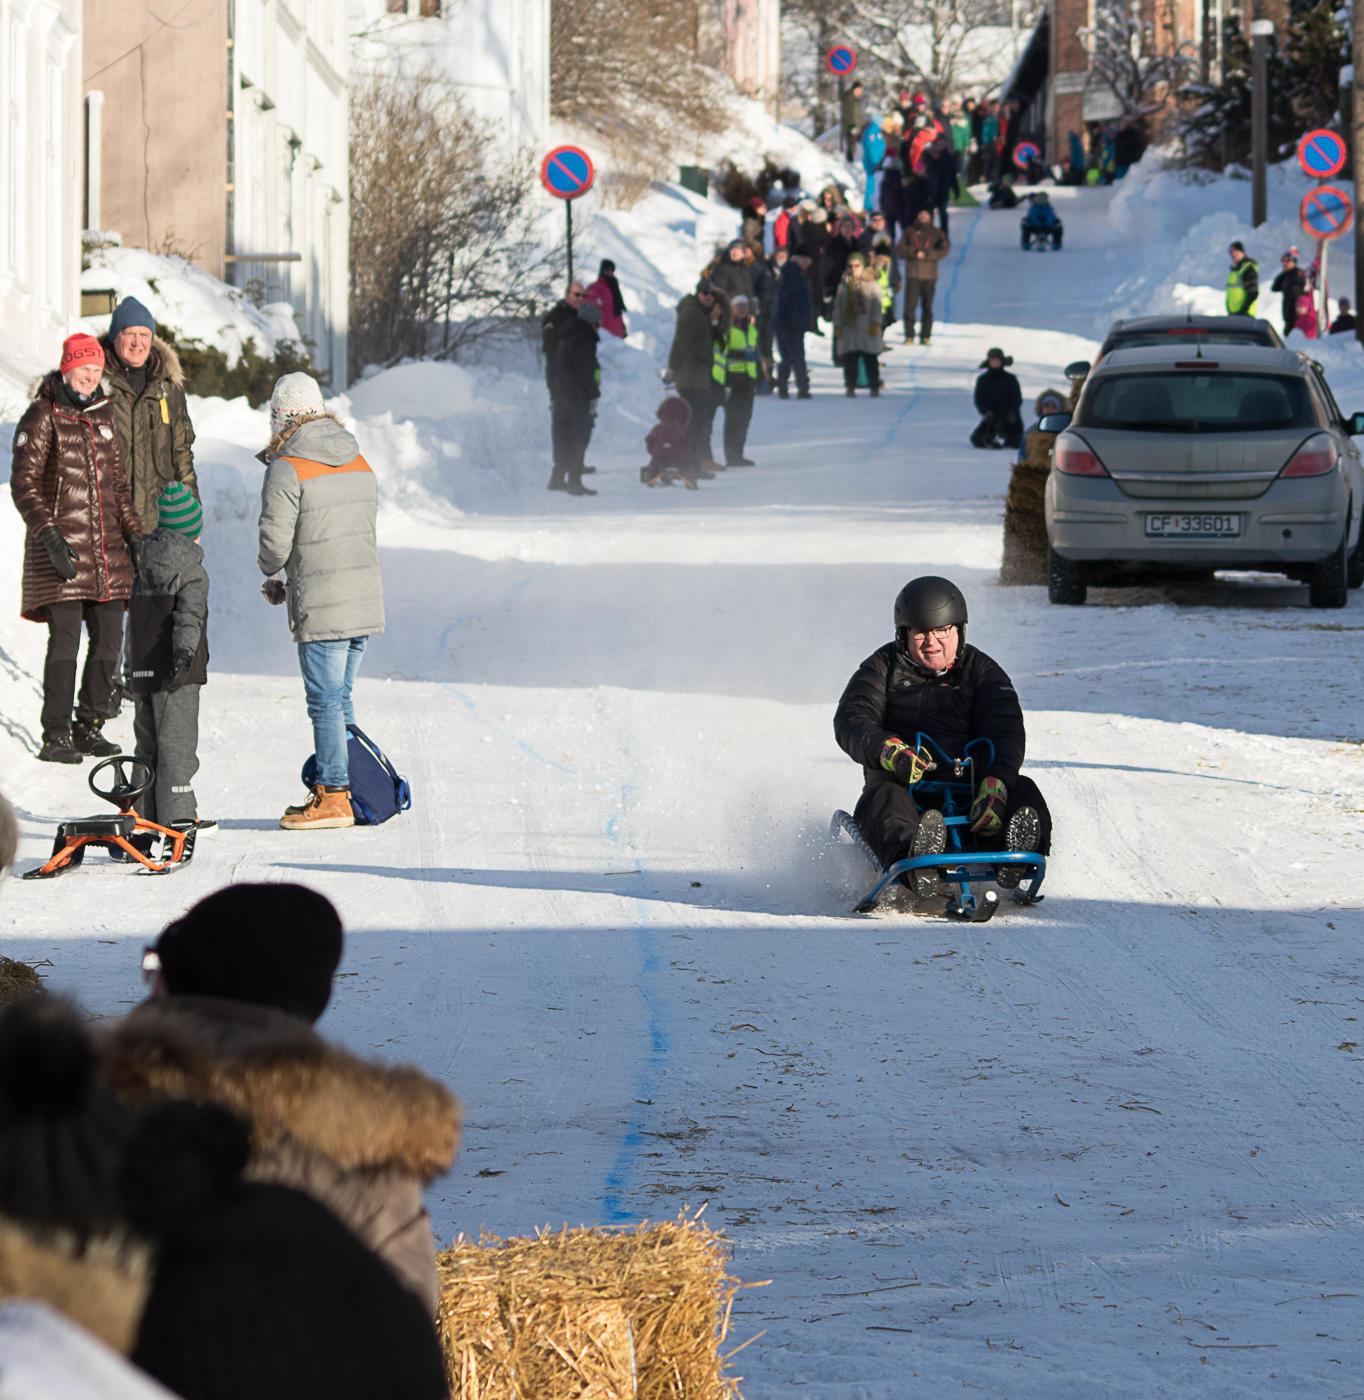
842, 124
1323, 301
568, 215
1260, 30
567, 173
1357, 146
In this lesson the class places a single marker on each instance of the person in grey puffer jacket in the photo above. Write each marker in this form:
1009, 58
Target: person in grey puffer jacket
319, 506
167, 656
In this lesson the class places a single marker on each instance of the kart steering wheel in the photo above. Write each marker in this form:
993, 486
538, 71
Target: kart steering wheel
131, 778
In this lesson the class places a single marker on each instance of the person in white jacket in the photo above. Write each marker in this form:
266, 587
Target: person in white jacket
319, 506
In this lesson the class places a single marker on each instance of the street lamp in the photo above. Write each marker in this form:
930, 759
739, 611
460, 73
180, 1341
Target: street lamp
1261, 30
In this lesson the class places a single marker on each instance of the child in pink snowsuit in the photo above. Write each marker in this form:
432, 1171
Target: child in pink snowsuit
1306, 319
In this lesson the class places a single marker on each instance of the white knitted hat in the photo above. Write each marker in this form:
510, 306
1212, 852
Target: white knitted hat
296, 396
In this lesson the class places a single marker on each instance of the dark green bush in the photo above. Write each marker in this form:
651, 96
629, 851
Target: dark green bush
208, 374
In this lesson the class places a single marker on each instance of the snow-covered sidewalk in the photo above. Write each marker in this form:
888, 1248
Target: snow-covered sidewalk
1105, 1146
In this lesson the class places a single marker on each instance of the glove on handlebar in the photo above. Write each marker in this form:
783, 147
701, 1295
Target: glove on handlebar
908, 764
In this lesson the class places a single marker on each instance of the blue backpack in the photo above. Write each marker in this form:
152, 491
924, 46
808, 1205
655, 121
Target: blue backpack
376, 791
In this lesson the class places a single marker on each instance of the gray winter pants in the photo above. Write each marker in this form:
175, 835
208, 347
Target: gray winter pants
166, 735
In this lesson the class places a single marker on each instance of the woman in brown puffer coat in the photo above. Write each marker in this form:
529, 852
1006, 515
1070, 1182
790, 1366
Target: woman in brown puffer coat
69, 484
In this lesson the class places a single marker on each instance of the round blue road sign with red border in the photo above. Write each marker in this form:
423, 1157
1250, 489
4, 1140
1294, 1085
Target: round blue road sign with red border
1322, 154
841, 60
1326, 212
567, 172
1025, 153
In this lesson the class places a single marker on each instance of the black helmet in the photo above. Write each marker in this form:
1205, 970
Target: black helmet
928, 602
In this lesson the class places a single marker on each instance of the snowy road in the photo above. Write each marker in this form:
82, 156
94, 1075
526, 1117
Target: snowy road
1106, 1146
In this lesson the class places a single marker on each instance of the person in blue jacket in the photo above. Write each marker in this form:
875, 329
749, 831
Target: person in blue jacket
873, 153
1041, 223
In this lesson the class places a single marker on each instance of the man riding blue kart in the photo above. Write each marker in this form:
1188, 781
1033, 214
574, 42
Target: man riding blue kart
1041, 223
921, 711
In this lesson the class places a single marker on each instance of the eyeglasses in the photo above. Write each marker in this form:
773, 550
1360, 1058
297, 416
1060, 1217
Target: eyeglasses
941, 633
151, 966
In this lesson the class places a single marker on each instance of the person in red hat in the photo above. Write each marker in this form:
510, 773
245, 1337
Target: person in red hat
69, 484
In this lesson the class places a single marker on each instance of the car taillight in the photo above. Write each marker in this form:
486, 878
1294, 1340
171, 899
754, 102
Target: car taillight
1075, 459
1315, 457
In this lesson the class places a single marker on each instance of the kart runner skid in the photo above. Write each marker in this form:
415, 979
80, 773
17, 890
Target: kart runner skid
959, 865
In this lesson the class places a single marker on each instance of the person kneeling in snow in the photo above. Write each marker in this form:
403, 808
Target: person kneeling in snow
929, 681
317, 523
999, 401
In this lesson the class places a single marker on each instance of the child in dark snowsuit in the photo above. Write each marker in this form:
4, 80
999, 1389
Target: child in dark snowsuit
667, 442
168, 656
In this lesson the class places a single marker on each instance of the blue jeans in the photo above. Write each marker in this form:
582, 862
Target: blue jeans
329, 670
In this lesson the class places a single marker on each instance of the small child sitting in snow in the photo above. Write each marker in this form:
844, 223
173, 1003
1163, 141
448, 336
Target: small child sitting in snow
669, 442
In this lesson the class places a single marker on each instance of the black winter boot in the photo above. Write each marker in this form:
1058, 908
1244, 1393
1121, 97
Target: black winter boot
1022, 834
58, 748
86, 736
929, 840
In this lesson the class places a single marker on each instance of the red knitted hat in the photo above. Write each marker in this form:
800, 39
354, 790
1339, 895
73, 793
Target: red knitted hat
81, 350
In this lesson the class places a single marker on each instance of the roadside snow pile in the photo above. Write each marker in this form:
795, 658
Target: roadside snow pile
1178, 225
192, 302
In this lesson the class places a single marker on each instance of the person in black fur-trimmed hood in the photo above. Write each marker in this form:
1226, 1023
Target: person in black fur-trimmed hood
929, 681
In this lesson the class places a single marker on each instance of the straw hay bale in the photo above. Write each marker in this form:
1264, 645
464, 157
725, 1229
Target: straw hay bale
590, 1314
18, 980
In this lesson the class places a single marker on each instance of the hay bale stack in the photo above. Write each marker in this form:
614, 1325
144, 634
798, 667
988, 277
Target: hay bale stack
18, 980
589, 1314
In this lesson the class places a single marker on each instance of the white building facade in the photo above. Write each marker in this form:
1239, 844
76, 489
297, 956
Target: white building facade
288, 190
40, 167
494, 53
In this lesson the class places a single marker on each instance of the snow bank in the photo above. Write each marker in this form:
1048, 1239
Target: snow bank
194, 303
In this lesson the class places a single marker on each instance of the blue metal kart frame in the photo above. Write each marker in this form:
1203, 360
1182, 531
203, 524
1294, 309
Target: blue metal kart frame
958, 865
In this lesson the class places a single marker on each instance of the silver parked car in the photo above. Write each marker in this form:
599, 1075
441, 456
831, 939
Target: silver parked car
1193, 458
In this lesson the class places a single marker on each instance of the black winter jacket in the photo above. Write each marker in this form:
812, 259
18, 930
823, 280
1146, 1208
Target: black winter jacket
551, 323
168, 612
888, 696
795, 306
998, 392
574, 381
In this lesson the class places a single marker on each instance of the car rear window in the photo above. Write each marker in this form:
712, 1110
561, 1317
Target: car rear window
1180, 335
1197, 401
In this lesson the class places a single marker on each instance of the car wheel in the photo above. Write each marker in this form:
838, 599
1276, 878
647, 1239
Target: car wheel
1065, 580
1354, 565
1328, 583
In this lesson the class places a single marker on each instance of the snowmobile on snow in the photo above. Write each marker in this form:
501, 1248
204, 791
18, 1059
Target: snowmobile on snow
966, 864
124, 834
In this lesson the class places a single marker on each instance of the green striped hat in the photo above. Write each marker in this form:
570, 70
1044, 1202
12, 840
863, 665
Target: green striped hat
176, 509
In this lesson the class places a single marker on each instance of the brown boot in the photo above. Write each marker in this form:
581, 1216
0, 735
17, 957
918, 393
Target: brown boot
327, 809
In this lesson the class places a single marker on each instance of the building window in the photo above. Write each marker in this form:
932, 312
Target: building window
430, 9
397, 7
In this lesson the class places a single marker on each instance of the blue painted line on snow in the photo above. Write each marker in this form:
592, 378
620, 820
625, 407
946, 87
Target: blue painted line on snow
620, 1175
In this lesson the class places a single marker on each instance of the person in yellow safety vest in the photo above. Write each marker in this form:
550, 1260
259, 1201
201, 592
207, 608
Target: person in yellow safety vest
1243, 283
741, 361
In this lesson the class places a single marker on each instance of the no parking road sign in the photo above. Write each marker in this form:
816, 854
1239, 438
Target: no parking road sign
841, 60
567, 172
1326, 212
1322, 154
1025, 153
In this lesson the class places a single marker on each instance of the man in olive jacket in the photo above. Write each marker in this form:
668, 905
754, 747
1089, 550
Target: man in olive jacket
146, 389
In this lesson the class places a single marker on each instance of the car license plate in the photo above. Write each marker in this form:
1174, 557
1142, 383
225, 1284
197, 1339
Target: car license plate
1182, 525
